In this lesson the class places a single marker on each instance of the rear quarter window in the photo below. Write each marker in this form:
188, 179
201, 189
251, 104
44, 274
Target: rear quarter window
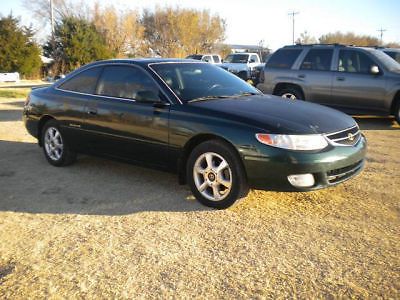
84, 82
283, 58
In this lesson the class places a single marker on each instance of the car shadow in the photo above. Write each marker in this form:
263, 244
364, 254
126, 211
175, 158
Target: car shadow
10, 115
376, 123
18, 103
92, 186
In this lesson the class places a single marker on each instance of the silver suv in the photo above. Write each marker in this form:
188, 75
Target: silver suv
355, 80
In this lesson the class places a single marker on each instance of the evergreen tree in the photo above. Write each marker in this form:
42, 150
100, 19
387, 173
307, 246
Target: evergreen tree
76, 42
18, 51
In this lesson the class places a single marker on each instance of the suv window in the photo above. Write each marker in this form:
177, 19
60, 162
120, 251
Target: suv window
83, 82
255, 58
207, 58
354, 61
394, 55
283, 58
216, 59
125, 82
318, 60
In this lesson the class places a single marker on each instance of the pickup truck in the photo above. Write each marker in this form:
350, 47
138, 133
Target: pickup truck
245, 65
214, 59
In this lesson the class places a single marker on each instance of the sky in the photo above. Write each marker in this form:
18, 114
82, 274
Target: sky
249, 22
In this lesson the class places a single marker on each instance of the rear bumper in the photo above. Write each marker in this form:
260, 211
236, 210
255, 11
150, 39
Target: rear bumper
269, 170
30, 122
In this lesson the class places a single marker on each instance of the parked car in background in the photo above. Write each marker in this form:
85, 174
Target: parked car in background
355, 80
247, 66
220, 134
393, 53
210, 58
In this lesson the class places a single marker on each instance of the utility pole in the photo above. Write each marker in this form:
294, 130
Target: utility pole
293, 13
381, 31
52, 18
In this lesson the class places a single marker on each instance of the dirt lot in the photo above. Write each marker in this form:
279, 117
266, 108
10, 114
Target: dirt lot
102, 229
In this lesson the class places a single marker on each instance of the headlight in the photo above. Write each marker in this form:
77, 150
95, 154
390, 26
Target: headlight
293, 142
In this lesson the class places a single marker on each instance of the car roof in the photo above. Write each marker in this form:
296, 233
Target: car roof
139, 61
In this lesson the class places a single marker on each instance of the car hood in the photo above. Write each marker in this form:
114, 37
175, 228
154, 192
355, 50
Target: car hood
278, 115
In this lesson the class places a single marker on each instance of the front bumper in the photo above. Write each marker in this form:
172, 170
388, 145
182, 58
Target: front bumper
268, 170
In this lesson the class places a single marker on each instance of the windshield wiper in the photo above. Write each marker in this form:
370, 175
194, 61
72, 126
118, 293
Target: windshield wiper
205, 98
247, 94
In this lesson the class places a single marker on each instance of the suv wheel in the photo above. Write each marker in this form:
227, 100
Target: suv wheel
215, 175
291, 93
55, 147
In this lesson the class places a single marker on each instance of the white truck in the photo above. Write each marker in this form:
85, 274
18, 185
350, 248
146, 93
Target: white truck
245, 65
214, 59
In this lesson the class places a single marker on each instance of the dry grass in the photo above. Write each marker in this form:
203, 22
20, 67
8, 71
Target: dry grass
101, 229
11, 93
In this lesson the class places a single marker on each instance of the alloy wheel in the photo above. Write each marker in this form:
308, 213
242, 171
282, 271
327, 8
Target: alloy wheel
289, 96
53, 143
212, 176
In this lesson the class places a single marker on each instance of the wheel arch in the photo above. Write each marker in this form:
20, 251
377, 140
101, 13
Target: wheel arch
192, 143
395, 101
284, 85
43, 120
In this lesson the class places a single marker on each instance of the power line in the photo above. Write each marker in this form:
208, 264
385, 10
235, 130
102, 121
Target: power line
292, 14
381, 31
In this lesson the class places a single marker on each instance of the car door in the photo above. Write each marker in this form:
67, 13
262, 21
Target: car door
315, 75
128, 117
254, 61
73, 95
207, 58
354, 86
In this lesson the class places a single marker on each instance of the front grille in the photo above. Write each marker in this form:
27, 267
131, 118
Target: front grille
346, 137
337, 175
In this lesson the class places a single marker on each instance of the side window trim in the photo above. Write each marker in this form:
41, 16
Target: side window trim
165, 98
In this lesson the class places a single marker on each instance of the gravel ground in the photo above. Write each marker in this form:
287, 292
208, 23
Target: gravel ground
102, 229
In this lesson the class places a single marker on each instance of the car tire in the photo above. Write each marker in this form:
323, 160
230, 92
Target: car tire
291, 93
215, 174
242, 75
55, 147
397, 112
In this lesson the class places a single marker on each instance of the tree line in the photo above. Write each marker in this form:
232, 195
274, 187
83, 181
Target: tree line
87, 32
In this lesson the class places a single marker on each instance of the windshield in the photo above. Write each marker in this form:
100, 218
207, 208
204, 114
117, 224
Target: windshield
191, 81
237, 58
393, 54
386, 60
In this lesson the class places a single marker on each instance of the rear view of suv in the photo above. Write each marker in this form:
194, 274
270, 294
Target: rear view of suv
355, 80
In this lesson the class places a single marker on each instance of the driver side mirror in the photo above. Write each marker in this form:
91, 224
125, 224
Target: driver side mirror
252, 61
147, 96
374, 70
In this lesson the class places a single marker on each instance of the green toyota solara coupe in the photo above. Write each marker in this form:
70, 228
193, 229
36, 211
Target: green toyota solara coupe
218, 133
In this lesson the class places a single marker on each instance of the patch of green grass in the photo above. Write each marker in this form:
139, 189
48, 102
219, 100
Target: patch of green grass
14, 93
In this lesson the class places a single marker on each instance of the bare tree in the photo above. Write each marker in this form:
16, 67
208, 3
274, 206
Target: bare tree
305, 39
349, 38
177, 32
121, 30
